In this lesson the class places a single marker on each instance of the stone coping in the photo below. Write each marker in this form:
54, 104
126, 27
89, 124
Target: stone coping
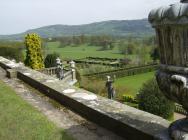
130, 123
174, 69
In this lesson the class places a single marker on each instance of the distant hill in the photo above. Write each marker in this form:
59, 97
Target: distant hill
135, 28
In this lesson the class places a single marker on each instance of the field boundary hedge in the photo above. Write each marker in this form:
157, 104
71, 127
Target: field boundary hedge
113, 62
125, 71
100, 63
104, 59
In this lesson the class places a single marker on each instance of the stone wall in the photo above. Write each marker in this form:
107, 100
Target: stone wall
125, 121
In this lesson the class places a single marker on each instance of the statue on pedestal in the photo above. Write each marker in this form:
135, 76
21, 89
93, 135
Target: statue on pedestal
110, 88
60, 72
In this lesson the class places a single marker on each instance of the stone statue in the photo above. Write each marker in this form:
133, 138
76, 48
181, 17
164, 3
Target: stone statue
110, 88
60, 72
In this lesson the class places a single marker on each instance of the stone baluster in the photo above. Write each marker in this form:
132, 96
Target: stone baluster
72, 65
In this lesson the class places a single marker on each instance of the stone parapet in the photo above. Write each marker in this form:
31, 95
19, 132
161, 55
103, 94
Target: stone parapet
128, 122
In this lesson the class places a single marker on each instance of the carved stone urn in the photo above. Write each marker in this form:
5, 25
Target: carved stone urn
171, 26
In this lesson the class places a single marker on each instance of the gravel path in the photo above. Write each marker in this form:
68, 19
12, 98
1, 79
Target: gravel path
72, 123
178, 116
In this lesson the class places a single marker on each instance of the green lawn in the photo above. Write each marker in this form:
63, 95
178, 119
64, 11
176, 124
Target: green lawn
20, 121
135, 82
83, 51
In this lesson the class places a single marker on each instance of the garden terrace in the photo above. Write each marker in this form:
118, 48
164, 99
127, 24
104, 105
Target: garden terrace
126, 121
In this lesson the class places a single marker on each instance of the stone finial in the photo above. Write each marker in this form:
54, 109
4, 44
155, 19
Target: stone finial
72, 64
58, 60
108, 78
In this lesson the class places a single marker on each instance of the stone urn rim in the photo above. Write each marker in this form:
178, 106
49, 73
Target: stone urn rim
174, 69
174, 14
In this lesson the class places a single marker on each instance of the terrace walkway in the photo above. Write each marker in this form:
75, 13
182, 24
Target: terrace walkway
73, 124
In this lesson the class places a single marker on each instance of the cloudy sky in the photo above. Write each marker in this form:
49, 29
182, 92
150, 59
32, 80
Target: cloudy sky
20, 15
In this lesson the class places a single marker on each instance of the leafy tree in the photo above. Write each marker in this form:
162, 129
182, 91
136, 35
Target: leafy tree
127, 48
112, 45
122, 47
64, 41
76, 41
50, 60
130, 48
82, 39
34, 58
149, 41
106, 45
152, 100
62, 44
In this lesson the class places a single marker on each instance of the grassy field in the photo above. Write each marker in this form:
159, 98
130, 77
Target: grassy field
135, 82
20, 121
81, 51
84, 51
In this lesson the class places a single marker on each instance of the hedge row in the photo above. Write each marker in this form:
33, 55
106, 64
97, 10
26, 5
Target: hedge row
125, 69
102, 59
101, 63
124, 72
12, 53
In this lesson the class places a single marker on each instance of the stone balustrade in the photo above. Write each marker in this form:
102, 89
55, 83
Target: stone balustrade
69, 75
128, 122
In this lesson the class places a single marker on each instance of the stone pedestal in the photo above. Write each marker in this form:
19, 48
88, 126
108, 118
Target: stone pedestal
11, 73
73, 75
172, 80
179, 129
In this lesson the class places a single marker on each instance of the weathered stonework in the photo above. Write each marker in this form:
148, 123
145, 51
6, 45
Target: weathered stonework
171, 25
173, 82
11, 73
128, 122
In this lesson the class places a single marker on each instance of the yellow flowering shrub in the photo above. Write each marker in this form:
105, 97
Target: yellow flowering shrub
34, 58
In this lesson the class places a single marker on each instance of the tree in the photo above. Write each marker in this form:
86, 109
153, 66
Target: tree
126, 48
130, 48
142, 54
149, 41
34, 58
76, 41
50, 60
106, 45
112, 46
82, 39
122, 47
152, 100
